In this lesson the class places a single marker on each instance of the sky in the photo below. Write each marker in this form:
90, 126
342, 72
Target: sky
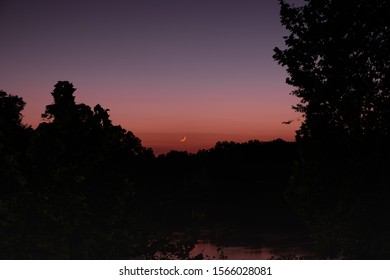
165, 68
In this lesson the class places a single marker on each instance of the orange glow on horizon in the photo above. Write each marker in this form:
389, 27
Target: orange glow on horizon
164, 135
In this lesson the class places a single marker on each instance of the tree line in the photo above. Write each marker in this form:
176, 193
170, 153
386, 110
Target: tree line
80, 187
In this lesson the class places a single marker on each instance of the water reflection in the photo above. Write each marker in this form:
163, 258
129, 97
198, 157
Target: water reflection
254, 246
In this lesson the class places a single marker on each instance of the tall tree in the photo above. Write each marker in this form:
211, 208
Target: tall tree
86, 167
337, 56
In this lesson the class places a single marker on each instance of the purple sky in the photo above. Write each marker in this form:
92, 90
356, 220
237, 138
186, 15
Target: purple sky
164, 68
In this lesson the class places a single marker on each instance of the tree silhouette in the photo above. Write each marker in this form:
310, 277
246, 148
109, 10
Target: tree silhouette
14, 139
88, 166
80, 187
337, 58
11, 107
75, 195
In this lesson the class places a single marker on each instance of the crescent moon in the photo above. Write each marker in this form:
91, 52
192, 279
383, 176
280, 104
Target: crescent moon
184, 139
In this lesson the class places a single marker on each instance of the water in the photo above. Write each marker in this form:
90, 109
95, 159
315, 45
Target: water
254, 245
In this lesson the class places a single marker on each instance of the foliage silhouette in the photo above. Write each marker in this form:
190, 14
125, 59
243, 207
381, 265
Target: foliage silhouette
253, 177
14, 138
79, 187
337, 58
80, 199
